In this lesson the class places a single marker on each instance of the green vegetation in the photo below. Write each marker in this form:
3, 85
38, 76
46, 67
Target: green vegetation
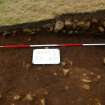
19, 11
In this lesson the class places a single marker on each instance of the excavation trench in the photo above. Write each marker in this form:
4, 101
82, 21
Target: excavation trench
78, 80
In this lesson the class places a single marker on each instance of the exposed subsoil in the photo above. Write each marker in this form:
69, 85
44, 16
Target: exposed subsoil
78, 80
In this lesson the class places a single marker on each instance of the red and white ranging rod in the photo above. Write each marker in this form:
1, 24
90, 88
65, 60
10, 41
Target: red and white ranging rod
51, 45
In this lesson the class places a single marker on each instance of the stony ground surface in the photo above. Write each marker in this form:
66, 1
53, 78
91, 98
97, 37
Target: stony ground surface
78, 80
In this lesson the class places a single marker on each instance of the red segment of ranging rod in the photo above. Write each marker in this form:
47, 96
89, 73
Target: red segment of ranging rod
70, 44
15, 46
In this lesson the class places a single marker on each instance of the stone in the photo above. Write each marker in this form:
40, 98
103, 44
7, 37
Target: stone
59, 25
85, 80
42, 101
68, 22
81, 23
66, 87
66, 71
29, 97
63, 63
1, 96
17, 97
94, 20
85, 86
101, 29
98, 77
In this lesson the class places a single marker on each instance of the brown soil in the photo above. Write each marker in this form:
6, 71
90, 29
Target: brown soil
78, 80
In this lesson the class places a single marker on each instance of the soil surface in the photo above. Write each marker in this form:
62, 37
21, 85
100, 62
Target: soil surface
78, 80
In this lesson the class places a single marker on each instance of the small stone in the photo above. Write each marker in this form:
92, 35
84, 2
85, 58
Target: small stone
81, 23
42, 101
45, 92
29, 97
66, 72
66, 87
59, 25
97, 101
94, 20
63, 63
12, 104
27, 30
68, 22
5, 33
55, 74
98, 77
86, 80
74, 25
17, 97
51, 28
1, 96
87, 24
104, 23
70, 32
101, 29
91, 73
29, 39
39, 68
84, 74
86, 86
71, 63
28, 66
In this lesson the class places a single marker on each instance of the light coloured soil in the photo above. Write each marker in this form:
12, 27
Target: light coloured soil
19, 11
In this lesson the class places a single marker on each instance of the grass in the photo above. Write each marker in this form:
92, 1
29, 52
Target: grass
20, 11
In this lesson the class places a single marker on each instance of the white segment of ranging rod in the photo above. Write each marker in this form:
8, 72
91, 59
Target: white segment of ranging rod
95, 44
45, 45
